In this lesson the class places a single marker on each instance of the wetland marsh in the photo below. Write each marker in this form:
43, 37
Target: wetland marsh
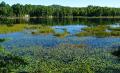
60, 45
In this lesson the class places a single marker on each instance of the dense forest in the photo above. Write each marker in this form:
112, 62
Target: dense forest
18, 10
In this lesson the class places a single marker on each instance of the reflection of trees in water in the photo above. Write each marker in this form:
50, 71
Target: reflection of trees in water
12, 21
62, 21
68, 21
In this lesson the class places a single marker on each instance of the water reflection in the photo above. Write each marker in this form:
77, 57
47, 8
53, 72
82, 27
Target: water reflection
72, 29
72, 26
65, 21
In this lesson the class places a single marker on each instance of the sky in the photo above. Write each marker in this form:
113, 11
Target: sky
71, 3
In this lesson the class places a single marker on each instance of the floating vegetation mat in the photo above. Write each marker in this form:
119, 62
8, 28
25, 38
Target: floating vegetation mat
63, 58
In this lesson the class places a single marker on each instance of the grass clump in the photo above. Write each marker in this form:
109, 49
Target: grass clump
10, 29
84, 33
95, 29
100, 31
115, 33
102, 34
114, 29
40, 29
46, 29
61, 35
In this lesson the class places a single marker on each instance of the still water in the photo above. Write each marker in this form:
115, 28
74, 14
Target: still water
24, 39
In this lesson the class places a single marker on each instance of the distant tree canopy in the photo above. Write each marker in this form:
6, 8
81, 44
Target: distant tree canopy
18, 10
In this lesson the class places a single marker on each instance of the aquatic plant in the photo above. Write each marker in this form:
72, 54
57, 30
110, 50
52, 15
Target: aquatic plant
1, 49
74, 45
96, 34
115, 33
99, 31
2, 39
95, 28
102, 34
66, 59
114, 28
33, 26
40, 29
60, 34
10, 63
10, 29
45, 29
116, 52
84, 33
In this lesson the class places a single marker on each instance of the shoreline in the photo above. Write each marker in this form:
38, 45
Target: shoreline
102, 17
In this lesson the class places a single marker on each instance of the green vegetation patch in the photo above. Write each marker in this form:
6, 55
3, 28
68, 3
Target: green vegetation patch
100, 31
10, 29
68, 59
96, 28
40, 29
10, 63
2, 39
114, 29
116, 53
115, 33
61, 35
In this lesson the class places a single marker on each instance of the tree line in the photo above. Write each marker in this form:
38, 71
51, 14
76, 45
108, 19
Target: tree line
18, 10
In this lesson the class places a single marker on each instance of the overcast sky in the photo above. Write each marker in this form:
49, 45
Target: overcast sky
72, 3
